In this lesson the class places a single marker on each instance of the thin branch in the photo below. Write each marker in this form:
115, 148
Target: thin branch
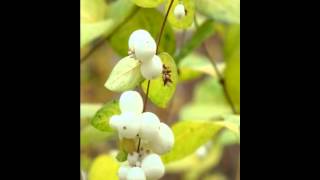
149, 81
220, 78
163, 25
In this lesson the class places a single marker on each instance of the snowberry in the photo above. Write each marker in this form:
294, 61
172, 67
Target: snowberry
133, 158
115, 121
131, 101
179, 11
151, 69
136, 173
122, 172
130, 126
142, 45
201, 151
145, 49
164, 141
153, 166
150, 125
136, 36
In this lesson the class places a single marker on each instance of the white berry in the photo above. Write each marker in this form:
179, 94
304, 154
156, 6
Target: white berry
130, 126
137, 36
201, 151
164, 141
150, 125
133, 158
115, 121
123, 172
136, 173
145, 49
153, 166
152, 69
179, 11
131, 101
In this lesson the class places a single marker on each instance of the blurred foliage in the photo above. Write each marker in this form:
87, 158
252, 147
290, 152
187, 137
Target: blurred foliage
195, 105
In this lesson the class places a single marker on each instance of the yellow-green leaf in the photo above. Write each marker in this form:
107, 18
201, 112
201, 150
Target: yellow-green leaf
147, 3
104, 167
205, 31
186, 21
221, 10
92, 10
159, 93
102, 117
208, 102
232, 78
87, 110
125, 75
193, 66
190, 135
91, 31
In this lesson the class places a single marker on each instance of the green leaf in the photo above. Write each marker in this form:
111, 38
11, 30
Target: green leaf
150, 20
208, 102
92, 10
221, 10
232, 78
230, 137
159, 93
125, 75
104, 167
91, 31
147, 3
193, 65
204, 111
101, 119
90, 135
231, 41
186, 21
195, 133
122, 156
87, 110
205, 31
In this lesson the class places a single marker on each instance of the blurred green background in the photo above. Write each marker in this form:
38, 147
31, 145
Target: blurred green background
209, 39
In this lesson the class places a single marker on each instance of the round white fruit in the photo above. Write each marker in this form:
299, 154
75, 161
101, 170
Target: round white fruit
123, 172
131, 101
201, 151
130, 126
179, 11
150, 126
136, 173
137, 36
152, 69
133, 158
145, 49
164, 141
115, 121
153, 166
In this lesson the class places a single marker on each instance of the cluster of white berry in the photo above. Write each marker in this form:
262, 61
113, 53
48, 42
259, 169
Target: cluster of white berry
151, 137
179, 11
143, 47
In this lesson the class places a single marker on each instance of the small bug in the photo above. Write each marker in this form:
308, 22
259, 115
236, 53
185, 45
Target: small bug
166, 75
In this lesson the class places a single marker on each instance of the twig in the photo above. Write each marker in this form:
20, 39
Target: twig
220, 78
163, 25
